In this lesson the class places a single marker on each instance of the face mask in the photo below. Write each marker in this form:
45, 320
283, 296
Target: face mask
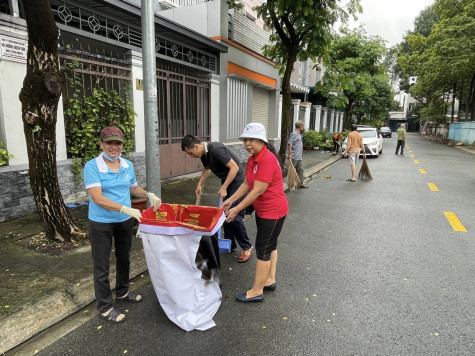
110, 158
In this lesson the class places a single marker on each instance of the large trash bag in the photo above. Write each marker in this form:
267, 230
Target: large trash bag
171, 238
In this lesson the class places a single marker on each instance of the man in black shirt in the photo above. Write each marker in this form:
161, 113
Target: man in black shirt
218, 159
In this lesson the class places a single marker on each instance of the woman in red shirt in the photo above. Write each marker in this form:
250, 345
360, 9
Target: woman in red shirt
265, 186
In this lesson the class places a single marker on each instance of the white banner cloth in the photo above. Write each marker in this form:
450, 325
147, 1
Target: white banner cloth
188, 300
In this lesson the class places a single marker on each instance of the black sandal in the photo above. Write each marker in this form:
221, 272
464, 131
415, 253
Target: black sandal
113, 316
130, 297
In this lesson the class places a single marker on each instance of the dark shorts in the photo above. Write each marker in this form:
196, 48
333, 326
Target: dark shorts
268, 230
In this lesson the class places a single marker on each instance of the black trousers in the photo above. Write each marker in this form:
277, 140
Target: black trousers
400, 143
101, 235
336, 146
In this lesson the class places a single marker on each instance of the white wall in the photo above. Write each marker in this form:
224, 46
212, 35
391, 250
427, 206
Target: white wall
137, 100
10, 86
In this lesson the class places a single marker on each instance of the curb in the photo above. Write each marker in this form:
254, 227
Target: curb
51, 309
309, 172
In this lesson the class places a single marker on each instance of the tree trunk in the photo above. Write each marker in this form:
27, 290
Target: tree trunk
39, 98
348, 120
453, 102
285, 129
472, 98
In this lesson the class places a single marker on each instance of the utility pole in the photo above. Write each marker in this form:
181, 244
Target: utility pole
152, 152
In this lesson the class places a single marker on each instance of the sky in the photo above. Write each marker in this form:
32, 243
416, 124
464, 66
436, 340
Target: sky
390, 19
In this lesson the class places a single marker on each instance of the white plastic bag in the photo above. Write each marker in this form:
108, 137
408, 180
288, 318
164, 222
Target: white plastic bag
187, 299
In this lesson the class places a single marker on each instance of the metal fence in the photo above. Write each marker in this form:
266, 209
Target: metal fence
462, 132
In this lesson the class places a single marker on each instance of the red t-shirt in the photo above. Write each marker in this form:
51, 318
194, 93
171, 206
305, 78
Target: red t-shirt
272, 204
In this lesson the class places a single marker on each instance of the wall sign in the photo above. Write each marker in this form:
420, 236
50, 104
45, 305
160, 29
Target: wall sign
13, 49
139, 84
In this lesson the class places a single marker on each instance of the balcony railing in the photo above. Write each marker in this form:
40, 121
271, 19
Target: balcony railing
169, 4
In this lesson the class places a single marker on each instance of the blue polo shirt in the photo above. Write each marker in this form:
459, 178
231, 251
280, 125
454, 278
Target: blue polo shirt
115, 186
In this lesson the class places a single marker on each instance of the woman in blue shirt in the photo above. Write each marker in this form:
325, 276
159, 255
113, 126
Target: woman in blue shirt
110, 181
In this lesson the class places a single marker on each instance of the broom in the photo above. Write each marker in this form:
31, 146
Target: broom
365, 174
293, 179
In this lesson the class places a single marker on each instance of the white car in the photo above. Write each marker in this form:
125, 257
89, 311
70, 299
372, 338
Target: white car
372, 140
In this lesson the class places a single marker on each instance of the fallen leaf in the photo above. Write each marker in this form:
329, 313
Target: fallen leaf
78, 284
7, 306
125, 351
333, 314
285, 318
100, 326
264, 327
306, 299
328, 320
327, 177
230, 269
436, 334
86, 311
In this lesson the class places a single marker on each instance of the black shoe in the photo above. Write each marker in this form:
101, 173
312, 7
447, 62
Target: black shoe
241, 297
271, 287
303, 186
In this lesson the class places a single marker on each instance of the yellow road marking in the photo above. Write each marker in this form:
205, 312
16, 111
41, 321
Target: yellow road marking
433, 187
423, 171
454, 221
416, 161
413, 156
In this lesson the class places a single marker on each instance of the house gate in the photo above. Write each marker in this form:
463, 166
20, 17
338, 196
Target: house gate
183, 109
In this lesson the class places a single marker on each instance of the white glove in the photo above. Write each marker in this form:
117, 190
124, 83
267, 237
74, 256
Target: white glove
134, 213
154, 201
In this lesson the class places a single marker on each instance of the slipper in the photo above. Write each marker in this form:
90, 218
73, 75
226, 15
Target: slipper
130, 297
113, 316
243, 257
351, 180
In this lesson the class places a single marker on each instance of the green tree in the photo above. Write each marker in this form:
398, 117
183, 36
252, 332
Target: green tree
444, 62
300, 30
354, 69
422, 25
39, 98
374, 109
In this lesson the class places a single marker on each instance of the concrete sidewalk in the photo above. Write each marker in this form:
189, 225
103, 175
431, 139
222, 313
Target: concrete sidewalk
38, 290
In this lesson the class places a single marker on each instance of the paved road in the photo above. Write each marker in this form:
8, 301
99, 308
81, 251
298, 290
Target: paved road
365, 268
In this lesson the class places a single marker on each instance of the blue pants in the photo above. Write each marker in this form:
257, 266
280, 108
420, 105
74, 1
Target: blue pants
235, 230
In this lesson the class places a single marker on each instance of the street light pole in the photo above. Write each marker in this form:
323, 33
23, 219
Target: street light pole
152, 153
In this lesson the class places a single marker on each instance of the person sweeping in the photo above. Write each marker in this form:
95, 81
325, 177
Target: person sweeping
355, 144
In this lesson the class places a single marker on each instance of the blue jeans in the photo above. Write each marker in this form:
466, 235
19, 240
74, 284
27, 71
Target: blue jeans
235, 230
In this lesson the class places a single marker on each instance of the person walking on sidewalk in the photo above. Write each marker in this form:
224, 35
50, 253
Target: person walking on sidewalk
110, 181
264, 187
401, 139
217, 158
294, 150
355, 144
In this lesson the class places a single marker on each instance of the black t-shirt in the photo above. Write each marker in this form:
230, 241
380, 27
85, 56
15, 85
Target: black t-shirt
216, 159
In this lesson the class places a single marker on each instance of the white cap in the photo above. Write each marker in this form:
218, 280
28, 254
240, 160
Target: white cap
254, 130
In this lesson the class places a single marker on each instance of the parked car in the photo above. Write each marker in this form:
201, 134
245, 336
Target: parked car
372, 140
385, 131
